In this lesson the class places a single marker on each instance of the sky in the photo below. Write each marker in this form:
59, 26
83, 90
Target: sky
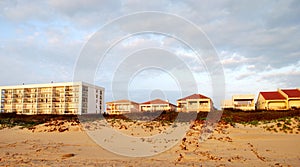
253, 44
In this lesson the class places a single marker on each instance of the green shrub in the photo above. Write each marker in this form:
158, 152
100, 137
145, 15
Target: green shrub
279, 124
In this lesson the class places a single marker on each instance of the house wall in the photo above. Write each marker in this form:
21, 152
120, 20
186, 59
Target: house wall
134, 107
181, 106
194, 105
244, 102
261, 103
294, 103
199, 105
119, 108
227, 104
276, 105
156, 107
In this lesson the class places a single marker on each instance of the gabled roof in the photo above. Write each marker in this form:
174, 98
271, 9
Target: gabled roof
194, 96
157, 101
122, 101
291, 93
272, 95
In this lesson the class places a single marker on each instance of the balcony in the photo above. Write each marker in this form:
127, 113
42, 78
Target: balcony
17, 96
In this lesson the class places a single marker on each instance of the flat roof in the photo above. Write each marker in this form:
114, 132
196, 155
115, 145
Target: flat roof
122, 101
55, 84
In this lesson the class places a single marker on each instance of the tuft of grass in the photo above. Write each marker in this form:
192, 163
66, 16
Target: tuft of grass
279, 124
229, 120
254, 122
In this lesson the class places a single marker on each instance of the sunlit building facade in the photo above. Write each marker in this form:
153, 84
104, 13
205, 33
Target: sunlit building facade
244, 102
121, 107
282, 99
54, 98
194, 103
157, 105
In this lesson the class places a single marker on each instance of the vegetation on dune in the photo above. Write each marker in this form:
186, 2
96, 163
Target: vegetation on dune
283, 120
9, 120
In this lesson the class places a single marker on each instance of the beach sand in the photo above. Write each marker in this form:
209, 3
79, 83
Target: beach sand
227, 146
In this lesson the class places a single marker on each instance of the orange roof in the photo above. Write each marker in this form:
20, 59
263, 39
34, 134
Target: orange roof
194, 96
157, 101
292, 93
123, 101
272, 95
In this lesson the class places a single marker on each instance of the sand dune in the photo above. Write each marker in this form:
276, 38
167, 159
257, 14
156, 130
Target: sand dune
241, 145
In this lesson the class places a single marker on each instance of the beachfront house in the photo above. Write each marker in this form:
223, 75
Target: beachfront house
271, 101
157, 105
282, 99
194, 103
244, 102
292, 96
53, 98
121, 107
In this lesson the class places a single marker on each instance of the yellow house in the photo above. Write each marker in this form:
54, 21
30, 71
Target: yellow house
157, 105
121, 107
292, 96
271, 101
194, 103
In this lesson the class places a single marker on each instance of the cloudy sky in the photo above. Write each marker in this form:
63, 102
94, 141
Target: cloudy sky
256, 44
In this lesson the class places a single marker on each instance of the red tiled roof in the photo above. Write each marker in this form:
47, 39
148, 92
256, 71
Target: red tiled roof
194, 96
292, 93
272, 95
157, 101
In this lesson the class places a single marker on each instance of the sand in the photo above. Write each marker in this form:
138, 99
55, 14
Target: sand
227, 146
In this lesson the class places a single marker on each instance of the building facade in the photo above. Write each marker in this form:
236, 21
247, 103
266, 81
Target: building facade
157, 105
194, 103
121, 107
282, 99
243, 102
292, 96
54, 98
271, 101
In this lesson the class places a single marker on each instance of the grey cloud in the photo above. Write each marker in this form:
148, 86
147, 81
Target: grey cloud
285, 80
19, 11
88, 14
52, 34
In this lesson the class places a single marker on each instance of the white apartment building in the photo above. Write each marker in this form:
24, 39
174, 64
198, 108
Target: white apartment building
54, 98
